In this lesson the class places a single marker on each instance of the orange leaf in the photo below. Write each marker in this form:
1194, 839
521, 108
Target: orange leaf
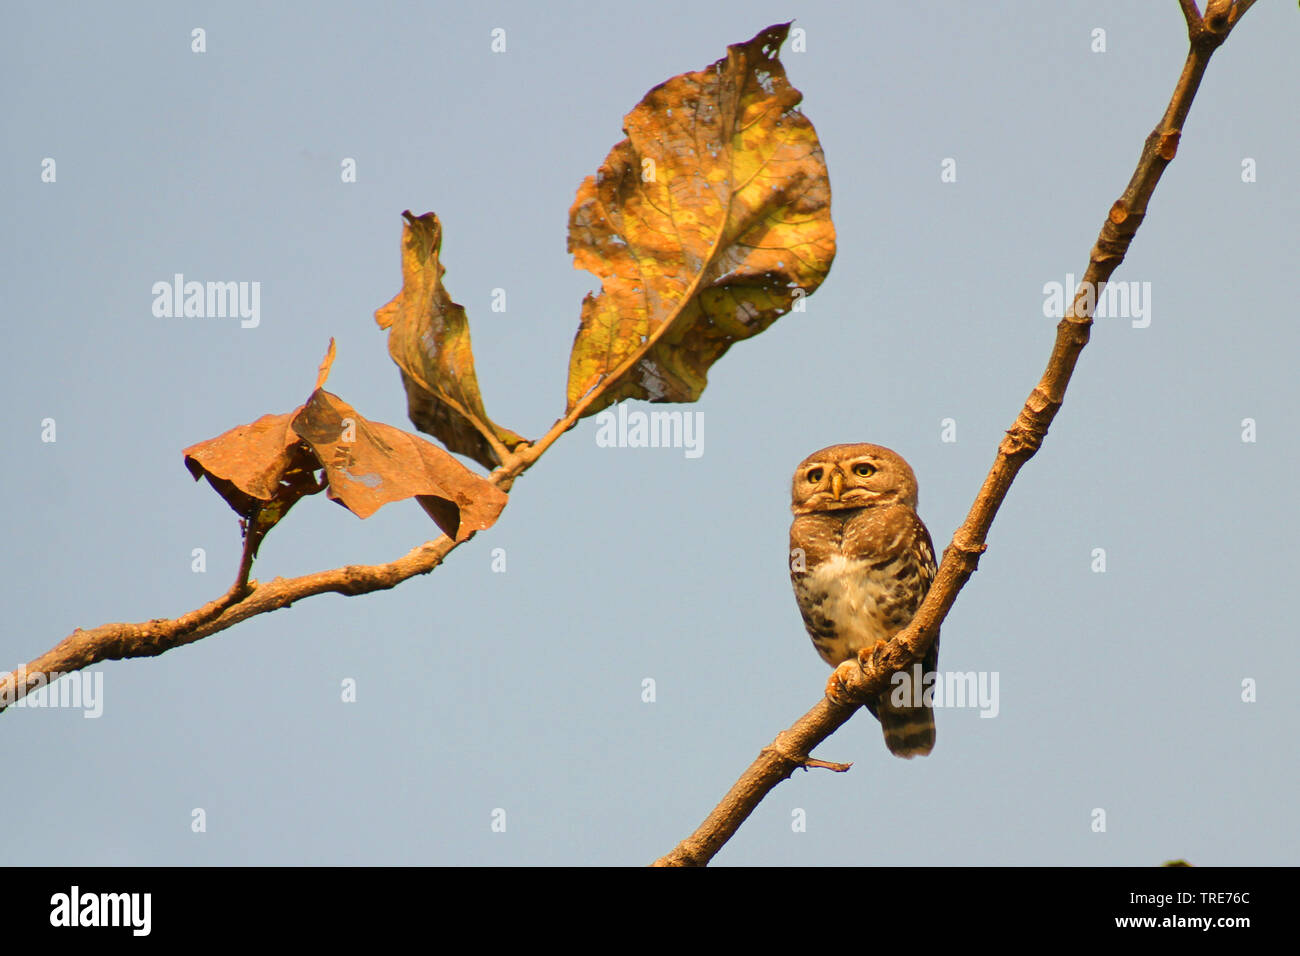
704, 225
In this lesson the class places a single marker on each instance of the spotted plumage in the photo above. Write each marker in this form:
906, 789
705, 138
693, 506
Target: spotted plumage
861, 562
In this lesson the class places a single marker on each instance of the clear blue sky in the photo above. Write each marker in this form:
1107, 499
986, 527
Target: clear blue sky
523, 690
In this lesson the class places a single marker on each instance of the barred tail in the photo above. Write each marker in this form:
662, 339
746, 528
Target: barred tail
909, 731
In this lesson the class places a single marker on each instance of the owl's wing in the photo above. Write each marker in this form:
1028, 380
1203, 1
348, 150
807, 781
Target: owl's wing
929, 568
897, 543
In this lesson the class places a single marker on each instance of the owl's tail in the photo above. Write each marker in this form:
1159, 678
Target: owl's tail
908, 723
909, 731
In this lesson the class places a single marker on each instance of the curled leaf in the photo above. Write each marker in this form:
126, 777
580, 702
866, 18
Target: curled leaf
704, 225
368, 464
429, 341
263, 468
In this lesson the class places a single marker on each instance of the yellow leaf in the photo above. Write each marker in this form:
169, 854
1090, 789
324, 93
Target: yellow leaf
705, 225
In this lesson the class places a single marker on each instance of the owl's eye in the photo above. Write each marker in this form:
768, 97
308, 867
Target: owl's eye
814, 475
862, 469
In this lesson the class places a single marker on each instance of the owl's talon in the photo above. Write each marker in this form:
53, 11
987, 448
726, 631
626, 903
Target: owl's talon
838, 684
872, 658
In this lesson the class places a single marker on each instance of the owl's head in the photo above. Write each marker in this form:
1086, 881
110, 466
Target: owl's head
852, 476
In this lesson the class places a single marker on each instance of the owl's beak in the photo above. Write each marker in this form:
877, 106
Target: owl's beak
837, 485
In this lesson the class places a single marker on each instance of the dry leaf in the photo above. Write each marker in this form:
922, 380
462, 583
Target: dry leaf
429, 341
704, 225
326, 364
260, 469
368, 464
263, 468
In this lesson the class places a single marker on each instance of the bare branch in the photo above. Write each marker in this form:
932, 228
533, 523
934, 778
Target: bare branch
856, 681
787, 753
83, 648
1239, 11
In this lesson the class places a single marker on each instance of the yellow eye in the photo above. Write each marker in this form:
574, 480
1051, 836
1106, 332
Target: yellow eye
814, 475
864, 470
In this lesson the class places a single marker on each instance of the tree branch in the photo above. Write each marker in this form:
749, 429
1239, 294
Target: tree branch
856, 681
1191, 15
245, 599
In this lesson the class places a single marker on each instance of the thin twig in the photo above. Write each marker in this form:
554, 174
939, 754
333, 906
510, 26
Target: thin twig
253, 535
813, 762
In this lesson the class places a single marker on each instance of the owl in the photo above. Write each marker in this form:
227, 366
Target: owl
861, 564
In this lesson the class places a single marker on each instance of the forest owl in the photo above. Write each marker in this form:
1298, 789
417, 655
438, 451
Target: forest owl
861, 563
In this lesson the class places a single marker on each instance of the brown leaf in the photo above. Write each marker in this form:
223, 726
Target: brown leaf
429, 341
368, 464
262, 469
704, 225
326, 364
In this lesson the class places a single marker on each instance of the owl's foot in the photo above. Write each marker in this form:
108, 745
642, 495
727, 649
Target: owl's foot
872, 658
841, 680
844, 686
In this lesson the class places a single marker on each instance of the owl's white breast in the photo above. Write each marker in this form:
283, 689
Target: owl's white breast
853, 598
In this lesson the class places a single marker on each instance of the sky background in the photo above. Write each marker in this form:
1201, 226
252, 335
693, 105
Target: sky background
522, 690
